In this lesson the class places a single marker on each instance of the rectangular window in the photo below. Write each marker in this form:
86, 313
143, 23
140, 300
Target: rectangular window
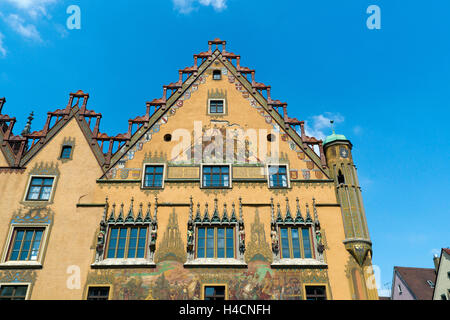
278, 177
214, 293
153, 176
217, 75
316, 293
40, 189
13, 292
295, 243
25, 244
216, 176
215, 242
127, 242
98, 293
216, 106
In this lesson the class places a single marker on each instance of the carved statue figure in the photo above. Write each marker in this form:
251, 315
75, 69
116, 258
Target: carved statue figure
190, 236
153, 235
274, 237
241, 238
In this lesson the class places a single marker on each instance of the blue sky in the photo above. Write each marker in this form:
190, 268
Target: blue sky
387, 89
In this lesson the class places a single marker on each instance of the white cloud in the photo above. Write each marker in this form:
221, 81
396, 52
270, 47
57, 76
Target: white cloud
19, 25
34, 8
320, 126
187, 6
2, 47
435, 252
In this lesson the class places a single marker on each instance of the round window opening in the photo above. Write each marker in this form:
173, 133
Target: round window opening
271, 137
168, 137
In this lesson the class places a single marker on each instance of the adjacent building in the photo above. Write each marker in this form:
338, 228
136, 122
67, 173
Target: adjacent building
213, 192
413, 283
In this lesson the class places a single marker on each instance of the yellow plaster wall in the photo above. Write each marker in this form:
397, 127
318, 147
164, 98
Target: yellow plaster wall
3, 162
73, 230
73, 234
239, 112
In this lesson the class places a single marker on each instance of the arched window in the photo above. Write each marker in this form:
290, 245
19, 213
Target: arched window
340, 177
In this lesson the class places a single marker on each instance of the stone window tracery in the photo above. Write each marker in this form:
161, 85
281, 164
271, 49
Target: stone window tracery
130, 237
215, 237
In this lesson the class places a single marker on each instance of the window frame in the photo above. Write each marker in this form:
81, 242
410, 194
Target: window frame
30, 250
38, 176
288, 180
63, 147
224, 112
110, 287
215, 227
9, 244
17, 284
300, 228
230, 175
127, 241
305, 285
215, 72
204, 286
164, 173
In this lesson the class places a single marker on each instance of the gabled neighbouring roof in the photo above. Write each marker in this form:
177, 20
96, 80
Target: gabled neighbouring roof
416, 281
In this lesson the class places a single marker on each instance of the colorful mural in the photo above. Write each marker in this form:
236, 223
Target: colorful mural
172, 281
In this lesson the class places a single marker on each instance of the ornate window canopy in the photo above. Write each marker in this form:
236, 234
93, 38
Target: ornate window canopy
217, 239
296, 241
127, 240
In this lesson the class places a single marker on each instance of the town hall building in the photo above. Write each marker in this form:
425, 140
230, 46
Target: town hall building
212, 193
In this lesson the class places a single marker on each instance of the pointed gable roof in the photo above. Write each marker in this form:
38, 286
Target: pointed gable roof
164, 105
194, 73
416, 281
39, 139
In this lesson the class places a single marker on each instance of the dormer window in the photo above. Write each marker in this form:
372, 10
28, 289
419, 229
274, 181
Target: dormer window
216, 107
66, 152
217, 75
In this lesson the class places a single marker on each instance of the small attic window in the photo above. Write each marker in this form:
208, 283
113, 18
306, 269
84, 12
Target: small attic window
217, 75
66, 152
216, 107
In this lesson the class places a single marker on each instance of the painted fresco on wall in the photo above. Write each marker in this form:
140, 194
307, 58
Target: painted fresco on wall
170, 280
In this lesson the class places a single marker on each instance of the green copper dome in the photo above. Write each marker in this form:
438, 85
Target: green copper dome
334, 137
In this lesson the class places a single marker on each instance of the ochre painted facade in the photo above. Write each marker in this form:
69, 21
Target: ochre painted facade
98, 188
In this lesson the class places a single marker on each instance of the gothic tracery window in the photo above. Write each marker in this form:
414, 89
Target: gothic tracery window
295, 237
130, 237
215, 237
